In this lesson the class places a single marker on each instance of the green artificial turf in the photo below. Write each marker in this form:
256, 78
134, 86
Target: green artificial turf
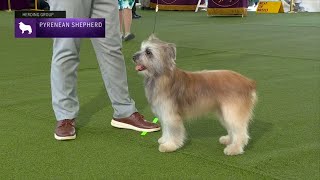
281, 52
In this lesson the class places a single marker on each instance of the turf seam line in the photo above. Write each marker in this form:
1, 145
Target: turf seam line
281, 25
268, 55
203, 54
221, 25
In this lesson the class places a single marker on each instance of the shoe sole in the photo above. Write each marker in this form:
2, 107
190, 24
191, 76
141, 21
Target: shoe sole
59, 138
128, 126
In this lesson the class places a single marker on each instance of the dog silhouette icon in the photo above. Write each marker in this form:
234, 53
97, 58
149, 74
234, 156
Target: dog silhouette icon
24, 27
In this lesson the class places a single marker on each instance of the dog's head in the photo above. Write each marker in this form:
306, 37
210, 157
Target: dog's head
21, 23
155, 57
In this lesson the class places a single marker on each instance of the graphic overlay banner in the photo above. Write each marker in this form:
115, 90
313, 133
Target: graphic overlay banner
49, 24
59, 27
40, 14
227, 7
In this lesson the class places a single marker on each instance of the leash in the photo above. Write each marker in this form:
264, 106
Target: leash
155, 17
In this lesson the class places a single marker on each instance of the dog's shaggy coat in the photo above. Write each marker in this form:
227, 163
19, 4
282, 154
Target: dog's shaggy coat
176, 95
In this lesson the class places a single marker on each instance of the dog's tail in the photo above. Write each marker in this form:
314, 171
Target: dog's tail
254, 96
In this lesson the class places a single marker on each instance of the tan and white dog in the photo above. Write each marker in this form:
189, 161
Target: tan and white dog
176, 95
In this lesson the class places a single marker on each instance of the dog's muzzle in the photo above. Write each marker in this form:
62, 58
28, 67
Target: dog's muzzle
135, 57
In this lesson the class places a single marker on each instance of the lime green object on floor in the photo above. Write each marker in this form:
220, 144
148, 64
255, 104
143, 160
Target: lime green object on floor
155, 120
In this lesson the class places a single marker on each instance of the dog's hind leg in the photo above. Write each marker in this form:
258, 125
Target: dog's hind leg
227, 138
236, 118
173, 133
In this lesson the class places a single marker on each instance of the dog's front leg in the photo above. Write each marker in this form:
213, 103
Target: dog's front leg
173, 133
165, 134
163, 137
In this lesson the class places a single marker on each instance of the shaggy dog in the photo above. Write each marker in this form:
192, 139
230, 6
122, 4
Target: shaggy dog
176, 95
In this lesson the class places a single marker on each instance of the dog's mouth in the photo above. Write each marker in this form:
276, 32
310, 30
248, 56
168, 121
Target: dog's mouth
140, 67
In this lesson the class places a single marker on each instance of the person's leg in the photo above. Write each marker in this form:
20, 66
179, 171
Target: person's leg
134, 7
147, 3
142, 2
110, 59
113, 70
65, 61
127, 15
121, 22
134, 11
120, 2
127, 18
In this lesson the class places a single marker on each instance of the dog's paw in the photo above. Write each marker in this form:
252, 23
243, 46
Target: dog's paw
232, 150
225, 140
168, 147
161, 140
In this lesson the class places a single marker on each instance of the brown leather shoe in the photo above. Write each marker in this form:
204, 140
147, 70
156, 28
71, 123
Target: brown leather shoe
65, 130
135, 122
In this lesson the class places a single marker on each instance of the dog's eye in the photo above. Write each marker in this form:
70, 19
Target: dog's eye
148, 52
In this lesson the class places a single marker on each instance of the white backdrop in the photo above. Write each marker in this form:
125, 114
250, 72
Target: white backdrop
305, 5
311, 5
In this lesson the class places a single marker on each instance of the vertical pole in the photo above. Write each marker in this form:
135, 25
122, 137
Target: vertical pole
9, 6
36, 5
291, 7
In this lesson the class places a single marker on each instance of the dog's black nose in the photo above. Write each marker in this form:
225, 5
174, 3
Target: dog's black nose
135, 57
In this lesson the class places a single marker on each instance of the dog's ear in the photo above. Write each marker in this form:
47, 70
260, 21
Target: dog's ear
172, 51
152, 37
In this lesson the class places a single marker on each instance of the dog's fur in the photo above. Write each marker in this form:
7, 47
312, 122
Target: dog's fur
175, 95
